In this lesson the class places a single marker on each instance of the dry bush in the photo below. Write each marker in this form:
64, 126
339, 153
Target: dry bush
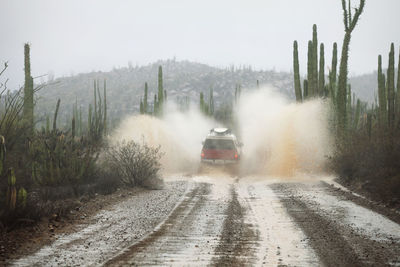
135, 164
372, 165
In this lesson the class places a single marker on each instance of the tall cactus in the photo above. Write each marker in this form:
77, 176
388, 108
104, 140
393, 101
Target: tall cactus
349, 25
211, 102
2, 154
202, 103
390, 87
90, 123
310, 71
305, 91
357, 115
381, 95
146, 89
105, 108
296, 70
11, 190
28, 90
160, 90
55, 115
315, 61
398, 94
333, 74
321, 79
348, 105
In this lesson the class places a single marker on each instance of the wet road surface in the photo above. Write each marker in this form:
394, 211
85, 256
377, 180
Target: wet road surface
223, 221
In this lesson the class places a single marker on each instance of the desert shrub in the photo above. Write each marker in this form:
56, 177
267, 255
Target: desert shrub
60, 159
371, 164
106, 180
135, 163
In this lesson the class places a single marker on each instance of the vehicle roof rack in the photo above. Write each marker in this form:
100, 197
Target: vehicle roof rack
220, 131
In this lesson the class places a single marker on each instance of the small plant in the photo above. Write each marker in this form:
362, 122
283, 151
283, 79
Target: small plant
135, 163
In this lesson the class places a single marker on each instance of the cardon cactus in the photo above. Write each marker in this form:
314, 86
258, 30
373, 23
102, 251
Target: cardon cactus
11, 190
22, 196
2, 153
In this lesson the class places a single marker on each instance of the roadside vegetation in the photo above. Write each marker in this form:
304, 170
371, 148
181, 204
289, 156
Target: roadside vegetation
44, 167
367, 157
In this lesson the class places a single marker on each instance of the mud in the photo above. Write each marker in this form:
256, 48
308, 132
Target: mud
220, 220
341, 232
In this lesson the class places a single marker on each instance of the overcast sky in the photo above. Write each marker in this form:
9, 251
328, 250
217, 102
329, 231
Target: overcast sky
73, 36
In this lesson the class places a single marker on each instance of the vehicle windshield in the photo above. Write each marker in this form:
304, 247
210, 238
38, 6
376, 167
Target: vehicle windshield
222, 144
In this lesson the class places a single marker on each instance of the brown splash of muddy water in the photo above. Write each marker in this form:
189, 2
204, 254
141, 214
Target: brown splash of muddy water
179, 134
281, 138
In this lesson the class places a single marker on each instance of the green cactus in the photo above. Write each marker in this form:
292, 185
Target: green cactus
11, 190
105, 109
211, 102
55, 116
390, 87
321, 79
357, 114
47, 124
333, 74
160, 91
315, 61
305, 86
381, 95
73, 127
145, 104
398, 94
202, 104
2, 153
310, 71
296, 70
349, 25
22, 196
28, 90
141, 107
348, 105
80, 121
90, 119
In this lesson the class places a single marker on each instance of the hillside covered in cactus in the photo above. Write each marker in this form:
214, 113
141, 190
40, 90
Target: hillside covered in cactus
125, 86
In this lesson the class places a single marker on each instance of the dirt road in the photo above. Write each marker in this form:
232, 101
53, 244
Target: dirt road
224, 221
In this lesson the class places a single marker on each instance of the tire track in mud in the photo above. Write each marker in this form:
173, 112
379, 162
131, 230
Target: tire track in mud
188, 237
207, 228
332, 226
238, 241
281, 242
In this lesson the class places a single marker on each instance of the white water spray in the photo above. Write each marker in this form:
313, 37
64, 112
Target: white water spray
280, 138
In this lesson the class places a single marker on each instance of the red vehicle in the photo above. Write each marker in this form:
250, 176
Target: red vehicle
221, 147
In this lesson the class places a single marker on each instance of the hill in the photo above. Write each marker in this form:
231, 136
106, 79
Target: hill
181, 79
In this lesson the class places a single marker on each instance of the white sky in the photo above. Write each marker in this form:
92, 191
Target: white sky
72, 36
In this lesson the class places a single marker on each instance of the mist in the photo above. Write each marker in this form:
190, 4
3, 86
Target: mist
280, 138
283, 138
